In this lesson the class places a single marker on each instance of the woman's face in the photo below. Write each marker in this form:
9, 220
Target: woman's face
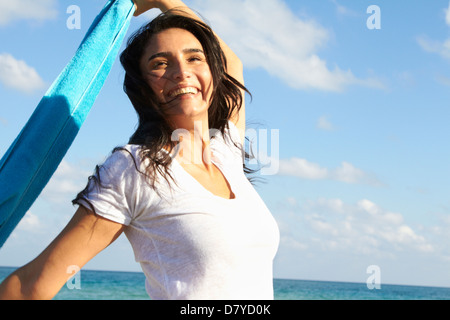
175, 67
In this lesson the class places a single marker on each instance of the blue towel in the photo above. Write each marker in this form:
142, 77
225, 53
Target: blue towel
34, 156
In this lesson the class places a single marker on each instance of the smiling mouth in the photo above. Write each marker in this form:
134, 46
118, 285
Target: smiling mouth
182, 91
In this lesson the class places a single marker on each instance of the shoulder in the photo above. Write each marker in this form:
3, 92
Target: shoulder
122, 156
113, 192
122, 162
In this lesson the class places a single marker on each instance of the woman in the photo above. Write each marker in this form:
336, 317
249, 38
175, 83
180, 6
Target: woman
178, 189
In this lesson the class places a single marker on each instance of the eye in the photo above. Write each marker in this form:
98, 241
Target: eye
196, 58
158, 64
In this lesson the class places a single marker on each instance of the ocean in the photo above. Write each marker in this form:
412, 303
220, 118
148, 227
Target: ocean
115, 285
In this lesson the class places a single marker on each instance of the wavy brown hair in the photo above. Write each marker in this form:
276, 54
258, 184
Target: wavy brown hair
154, 131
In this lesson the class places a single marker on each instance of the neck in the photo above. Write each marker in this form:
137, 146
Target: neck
194, 146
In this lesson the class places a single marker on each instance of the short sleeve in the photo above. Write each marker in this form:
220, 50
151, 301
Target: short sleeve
111, 190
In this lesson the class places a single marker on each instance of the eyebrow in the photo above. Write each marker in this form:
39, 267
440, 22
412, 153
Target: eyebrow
168, 54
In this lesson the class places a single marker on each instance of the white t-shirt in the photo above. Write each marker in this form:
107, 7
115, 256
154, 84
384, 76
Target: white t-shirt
190, 243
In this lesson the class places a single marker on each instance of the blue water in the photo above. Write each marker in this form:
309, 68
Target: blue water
113, 285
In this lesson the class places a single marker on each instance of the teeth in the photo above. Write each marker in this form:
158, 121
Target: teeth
183, 91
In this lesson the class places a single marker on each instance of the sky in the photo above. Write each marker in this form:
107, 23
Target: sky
349, 113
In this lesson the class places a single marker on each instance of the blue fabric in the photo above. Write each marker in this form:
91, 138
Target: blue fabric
34, 156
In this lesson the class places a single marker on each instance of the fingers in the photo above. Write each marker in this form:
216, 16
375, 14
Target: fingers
144, 5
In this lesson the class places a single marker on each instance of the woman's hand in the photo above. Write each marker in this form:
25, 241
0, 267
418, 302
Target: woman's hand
145, 5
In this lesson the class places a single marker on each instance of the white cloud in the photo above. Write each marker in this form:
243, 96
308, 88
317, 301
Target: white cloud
443, 80
447, 15
435, 46
334, 239
266, 34
360, 228
3, 121
29, 222
290, 242
18, 75
324, 124
348, 173
441, 233
50, 213
344, 11
304, 169
37, 10
67, 181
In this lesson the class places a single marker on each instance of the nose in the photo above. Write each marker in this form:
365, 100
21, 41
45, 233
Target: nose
181, 71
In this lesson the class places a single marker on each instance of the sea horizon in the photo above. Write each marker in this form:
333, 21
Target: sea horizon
279, 278
98, 284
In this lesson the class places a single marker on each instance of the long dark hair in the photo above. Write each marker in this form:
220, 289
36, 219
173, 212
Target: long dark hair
154, 132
